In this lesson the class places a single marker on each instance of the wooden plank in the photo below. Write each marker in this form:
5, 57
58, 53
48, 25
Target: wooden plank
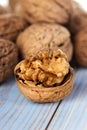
72, 112
17, 113
4, 90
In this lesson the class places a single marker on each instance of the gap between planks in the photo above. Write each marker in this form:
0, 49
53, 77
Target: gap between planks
53, 115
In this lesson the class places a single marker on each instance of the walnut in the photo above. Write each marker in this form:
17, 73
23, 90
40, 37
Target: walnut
78, 19
44, 35
46, 69
3, 10
13, 3
10, 26
52, 11
8, 58
15, 7
81, 47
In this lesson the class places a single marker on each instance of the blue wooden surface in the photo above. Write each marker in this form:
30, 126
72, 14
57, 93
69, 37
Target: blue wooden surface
72, 113
17, 113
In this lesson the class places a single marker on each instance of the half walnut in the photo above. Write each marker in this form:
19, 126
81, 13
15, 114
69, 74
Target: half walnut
45, 77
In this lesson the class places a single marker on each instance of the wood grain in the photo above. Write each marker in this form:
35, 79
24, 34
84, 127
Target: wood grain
72, 113
17, 113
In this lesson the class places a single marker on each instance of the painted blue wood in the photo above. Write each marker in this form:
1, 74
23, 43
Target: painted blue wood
72, 113
17, 113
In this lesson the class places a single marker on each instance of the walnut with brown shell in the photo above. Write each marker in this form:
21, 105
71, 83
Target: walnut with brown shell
52, 11
44, 35
78, 19
45, 77
10, 26
81, 47
8, 58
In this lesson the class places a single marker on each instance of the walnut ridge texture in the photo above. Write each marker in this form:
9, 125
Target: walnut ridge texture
8, 58
44, 35
54, 11
10, 26
40, 77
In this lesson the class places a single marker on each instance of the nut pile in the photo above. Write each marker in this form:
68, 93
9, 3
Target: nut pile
47, 35
10, 27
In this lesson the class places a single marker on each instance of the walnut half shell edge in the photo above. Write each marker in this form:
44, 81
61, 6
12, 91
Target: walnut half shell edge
39, 92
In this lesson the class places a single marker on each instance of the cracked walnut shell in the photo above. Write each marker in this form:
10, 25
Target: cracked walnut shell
45, 77
44, 35
52, 11
8, 58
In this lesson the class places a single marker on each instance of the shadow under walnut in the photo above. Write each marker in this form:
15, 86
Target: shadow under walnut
45, 77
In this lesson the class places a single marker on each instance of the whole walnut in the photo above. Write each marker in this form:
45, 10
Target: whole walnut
10, 26
44, 35
34, 11
8, 58
81, 47
78, 19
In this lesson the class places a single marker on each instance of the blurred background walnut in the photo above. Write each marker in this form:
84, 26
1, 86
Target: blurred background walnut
78, 19
43, 11
16, 7
10, 26
8, 58
44, 35
13, 3
4, 10
81, 47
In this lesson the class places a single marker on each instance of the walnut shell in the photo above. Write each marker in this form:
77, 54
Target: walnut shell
38, 77
78, 19
10, 26
81, 47
13, 3
3, 10
8, 58
44, 35
46, 11
15, 7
